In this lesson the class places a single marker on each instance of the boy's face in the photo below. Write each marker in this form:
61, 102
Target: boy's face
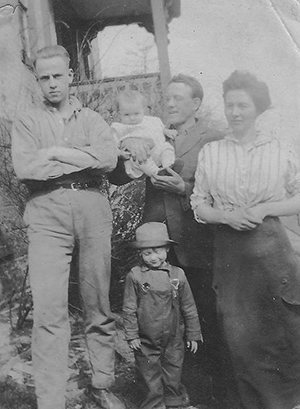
155, 256
131, 113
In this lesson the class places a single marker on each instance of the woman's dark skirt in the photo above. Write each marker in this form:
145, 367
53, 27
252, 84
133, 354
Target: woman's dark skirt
257, 281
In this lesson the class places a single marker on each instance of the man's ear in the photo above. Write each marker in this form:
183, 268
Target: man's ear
71, 75
197, 103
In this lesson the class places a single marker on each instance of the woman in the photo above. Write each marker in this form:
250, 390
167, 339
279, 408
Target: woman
243, 183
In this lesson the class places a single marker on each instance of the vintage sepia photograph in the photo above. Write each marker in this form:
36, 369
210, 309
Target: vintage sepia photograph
149, 204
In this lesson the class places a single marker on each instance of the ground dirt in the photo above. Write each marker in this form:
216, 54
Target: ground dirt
16, 382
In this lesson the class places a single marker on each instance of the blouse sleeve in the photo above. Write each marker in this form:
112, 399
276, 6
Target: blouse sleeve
293, 174
201, 192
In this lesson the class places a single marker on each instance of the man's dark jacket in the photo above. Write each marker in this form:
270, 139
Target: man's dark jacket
194, 247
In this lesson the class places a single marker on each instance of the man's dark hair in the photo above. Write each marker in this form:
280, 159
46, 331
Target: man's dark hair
197, 90
52, 51
257, 90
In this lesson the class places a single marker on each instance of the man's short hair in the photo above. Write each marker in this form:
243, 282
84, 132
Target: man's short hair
129, 96
52, 51
197, 90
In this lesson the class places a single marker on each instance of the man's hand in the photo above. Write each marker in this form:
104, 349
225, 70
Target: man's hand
173, 183
135, 344
139, 148
243, 219
192, 346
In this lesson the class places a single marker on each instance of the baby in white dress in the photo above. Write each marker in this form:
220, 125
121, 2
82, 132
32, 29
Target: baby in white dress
134, 123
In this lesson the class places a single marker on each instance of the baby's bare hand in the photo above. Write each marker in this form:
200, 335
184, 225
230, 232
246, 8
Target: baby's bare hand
124, 154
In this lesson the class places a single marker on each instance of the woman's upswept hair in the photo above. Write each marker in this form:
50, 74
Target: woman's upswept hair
52, 51
257, 90
191, 82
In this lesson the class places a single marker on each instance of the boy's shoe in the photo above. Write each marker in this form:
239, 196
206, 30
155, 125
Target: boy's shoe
185, 404
177, 167
105, 399
186, 407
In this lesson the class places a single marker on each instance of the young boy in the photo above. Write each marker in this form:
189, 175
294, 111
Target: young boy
159, 311
134, 123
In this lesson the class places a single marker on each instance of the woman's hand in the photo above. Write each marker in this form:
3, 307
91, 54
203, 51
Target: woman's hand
173, 183
244, 218
259, 211
135, 344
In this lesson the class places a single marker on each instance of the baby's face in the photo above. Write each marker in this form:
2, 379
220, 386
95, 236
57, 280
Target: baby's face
131, 113
155, 256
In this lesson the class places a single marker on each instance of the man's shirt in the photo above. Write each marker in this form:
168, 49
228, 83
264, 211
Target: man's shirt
39, 129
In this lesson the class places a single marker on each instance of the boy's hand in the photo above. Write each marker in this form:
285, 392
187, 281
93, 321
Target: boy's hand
135, 344
192, 346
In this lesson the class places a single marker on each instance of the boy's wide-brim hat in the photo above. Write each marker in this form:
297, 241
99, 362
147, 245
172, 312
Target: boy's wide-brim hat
152, 234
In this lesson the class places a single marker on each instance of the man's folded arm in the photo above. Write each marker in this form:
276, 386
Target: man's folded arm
101, 153
32, 163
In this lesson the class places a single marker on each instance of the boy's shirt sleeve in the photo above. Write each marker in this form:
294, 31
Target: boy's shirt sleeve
189, 312
130, 305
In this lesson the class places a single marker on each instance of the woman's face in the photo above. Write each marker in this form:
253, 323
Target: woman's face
240, 111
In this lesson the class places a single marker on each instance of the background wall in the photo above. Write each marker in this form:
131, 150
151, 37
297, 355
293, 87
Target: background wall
212, 38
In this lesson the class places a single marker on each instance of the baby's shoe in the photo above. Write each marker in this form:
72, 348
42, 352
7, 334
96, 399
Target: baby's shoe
177, 167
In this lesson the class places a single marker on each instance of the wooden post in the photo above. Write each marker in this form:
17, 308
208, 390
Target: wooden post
161, 38
41, 24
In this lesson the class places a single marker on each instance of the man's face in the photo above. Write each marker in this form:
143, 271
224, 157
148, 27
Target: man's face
54, 77
181, 105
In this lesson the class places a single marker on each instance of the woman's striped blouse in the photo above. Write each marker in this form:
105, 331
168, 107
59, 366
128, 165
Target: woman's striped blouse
230, 175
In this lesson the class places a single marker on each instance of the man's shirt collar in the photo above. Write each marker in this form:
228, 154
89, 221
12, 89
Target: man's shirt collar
74, 105
189, 129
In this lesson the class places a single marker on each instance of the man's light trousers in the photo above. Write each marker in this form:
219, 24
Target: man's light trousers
57, 220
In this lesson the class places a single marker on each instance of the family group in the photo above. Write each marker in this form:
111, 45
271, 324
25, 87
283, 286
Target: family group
216, 276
